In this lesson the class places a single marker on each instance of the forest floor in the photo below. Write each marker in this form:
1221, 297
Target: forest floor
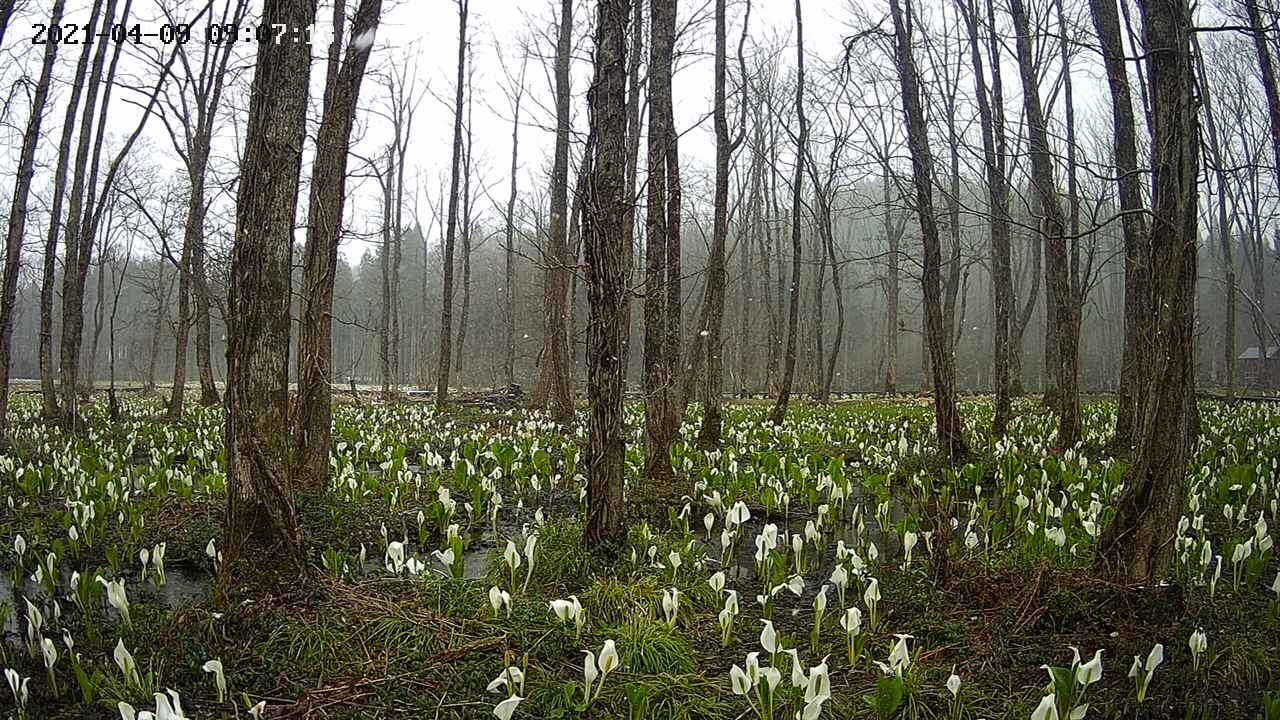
987, 567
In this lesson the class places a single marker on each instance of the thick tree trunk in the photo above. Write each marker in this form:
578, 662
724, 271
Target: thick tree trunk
260, 512
552, 389
779, 412
313, 414
1138, 544
204, 353
1062, 325
18, 208
949, 427
662, 251
604, 231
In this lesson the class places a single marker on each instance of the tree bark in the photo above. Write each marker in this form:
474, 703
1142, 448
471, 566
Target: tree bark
1138, 544
779, 412
509, 250
1106, 21
1062, 326
325, 204
994, 148
451, 228
662, 251
18, 208
604, 231
260, 508
78, 243
949, 427
552, 389
1227, 374
709, 433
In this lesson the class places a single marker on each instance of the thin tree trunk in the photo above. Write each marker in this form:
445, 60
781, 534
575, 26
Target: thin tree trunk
894, 239
327, 198
47, 280
1227, 374
1063, 369
260, 513
994, 145
604, 230
384, 317
552, 389
466, 238
18, 208
779, 412
709, 434
1106, 22
78, 243
446, 306
949, 426
509, 251
1138, 544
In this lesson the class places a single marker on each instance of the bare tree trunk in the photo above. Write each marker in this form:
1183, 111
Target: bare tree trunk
313, 415
18, 208
509, 251
950, 432
157, 328
994, 148
1124, 131
634, 83
1138, 544
662, 251
894, 239
78, 243
1227, 374
1266, 66
204, 353
552, 388
260, 512
709, 434
779, 412
466, 236
604, 230
47, 388
384, 317
1056, 264
446, 307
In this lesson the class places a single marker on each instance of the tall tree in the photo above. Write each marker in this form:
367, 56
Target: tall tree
515, 95
451, 223
662, 251
1106, 21
942, 362
1138, 543
994, 155
260, 507
779, 412
552, 388
190, 130
26, 170
1057, 267
604, 235
709, 435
